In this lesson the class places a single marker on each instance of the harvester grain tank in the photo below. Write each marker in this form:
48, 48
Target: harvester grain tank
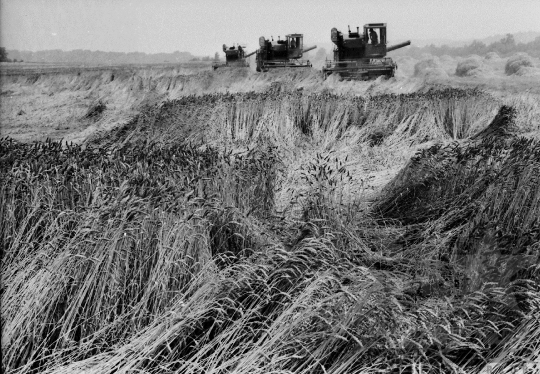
362, 55
235, 56
285, 53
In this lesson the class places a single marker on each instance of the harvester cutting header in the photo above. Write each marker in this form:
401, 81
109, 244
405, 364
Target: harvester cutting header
283, 53
235, 56
362, 56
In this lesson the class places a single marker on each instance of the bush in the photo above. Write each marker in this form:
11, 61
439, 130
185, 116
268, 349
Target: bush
517, 62
470, 67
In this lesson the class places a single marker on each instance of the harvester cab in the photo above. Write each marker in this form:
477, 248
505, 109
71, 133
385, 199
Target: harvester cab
235, 56
282, 53
362, 55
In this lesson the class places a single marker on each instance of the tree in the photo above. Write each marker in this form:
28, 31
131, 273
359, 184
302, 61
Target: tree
509, 40
476, 47
3, 54
216, 57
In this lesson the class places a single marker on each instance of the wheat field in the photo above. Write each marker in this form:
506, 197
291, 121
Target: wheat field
170, 219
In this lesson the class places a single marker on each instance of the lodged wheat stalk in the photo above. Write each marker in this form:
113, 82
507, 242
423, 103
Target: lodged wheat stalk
160, 248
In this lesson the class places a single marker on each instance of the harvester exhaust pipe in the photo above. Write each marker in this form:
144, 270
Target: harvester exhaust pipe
309, 49
398, 46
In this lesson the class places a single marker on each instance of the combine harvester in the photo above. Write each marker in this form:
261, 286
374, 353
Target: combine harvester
362, 56
284, 54
234, 57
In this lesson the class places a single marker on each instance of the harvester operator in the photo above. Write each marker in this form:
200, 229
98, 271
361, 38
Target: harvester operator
373, 36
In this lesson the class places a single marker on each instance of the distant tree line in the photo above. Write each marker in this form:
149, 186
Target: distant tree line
4, 56
99, 57
205, 58
504, 47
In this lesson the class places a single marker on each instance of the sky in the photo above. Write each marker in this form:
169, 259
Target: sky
203, 26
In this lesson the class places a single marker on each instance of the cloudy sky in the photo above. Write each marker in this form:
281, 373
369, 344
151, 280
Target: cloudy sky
202, 26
